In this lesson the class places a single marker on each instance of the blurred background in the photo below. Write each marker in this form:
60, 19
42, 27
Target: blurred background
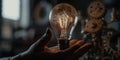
22, 21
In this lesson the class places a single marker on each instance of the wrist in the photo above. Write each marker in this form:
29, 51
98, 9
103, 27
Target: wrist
21, 56
16, 57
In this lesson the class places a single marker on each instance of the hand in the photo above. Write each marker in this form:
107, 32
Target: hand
40, 51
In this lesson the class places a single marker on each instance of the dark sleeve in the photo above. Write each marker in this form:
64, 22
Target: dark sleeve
6, 58
17, 57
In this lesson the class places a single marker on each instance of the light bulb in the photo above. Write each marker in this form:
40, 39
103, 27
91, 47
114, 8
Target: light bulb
63, 19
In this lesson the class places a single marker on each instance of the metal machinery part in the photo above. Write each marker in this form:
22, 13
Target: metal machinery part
41, 12
106, 39
106, 46
94, 25
96, 9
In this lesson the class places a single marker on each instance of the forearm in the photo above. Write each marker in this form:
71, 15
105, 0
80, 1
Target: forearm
6, 58
11, 58
16, 57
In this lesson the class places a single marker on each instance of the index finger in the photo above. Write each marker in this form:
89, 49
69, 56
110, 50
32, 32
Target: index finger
83, 49
45, 38
73, 41
43, 41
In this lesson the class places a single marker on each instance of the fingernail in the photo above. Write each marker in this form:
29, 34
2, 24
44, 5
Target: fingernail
47, 31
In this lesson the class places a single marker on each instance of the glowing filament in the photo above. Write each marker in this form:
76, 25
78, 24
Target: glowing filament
64, 20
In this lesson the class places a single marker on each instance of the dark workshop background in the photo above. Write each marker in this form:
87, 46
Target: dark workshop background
17, 31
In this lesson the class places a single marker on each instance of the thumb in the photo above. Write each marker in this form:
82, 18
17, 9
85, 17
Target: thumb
43, 41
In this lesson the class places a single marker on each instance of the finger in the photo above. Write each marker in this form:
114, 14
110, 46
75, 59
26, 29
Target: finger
45, 38
83, 49
54, 49
72, 42
77, 42
74, 47
43, 41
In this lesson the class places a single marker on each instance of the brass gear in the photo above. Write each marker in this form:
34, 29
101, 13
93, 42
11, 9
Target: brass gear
94, 25
41, 12
96, 9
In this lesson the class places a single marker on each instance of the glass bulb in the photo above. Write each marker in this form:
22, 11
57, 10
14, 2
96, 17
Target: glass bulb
63, 19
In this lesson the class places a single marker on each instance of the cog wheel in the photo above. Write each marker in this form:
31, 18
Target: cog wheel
96, 9
94, 25
41, 13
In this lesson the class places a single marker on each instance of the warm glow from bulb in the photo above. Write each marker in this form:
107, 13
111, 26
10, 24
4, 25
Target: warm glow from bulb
63, 19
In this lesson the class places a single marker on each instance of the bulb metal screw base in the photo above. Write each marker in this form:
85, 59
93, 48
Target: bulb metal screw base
63, 44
